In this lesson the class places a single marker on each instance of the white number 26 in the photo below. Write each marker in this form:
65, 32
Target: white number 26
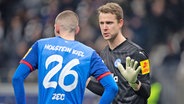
65, 71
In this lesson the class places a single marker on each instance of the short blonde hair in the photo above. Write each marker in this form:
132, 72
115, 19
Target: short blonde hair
112, 8
68, 20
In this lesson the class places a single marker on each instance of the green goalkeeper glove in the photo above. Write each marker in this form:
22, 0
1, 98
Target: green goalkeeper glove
131, 72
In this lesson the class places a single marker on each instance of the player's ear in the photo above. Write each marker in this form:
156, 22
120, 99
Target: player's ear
121, 22
77, 30
56, 28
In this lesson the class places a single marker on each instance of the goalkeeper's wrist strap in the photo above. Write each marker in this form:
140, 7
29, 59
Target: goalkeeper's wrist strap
135, 85
137, 82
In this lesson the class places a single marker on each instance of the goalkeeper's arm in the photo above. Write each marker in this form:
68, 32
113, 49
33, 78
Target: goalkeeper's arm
95, 87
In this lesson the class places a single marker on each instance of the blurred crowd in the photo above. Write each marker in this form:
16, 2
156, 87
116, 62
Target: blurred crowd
156, 25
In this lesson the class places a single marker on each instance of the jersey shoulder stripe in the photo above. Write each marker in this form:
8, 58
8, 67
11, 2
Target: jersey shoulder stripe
28, 64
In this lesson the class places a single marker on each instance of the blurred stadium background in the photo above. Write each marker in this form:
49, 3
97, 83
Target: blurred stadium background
156, 25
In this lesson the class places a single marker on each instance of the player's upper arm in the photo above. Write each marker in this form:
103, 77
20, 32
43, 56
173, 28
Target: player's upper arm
98, 68
31, 57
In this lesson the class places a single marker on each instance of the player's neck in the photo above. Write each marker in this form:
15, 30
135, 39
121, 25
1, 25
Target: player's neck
67, 35
116, 41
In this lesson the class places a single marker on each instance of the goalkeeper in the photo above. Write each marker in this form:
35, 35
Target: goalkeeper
133, 81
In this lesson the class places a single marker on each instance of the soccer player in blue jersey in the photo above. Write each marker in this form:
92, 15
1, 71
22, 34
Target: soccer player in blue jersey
63, 65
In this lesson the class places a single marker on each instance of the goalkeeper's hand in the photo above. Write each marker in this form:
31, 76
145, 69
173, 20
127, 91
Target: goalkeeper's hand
131, 72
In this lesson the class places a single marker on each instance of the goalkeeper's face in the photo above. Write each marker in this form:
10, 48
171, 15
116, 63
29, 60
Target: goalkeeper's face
109, 25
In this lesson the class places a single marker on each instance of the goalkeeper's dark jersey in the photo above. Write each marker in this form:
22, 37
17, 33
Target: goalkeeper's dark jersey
126, 94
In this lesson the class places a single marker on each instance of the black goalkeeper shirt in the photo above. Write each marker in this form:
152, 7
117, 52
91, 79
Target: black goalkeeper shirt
126, 95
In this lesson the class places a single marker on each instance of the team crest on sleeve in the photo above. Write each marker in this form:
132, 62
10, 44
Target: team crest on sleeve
145, 66
27, 53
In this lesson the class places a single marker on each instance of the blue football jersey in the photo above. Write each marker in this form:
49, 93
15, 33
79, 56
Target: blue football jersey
63, 69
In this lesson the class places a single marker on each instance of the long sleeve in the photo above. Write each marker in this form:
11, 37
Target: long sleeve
144, 90
110, 89
95, 87
18, 83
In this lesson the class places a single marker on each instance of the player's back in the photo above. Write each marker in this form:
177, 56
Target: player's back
63, 68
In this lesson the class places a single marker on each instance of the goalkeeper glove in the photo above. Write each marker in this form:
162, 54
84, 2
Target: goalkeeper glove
131, 72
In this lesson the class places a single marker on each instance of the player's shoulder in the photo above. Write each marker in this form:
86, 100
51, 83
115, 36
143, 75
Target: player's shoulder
133, 45
46, 39
105, 51
106, 48
41, 41
137, 51
85, 47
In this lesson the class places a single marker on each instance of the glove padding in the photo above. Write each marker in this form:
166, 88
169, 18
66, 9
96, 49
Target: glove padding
131, 72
